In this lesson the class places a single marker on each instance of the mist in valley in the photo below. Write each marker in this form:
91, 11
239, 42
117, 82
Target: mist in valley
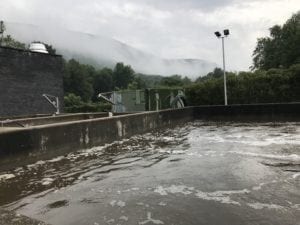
102, 51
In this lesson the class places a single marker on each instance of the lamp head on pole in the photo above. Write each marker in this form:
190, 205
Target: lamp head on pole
218, 34
226, 32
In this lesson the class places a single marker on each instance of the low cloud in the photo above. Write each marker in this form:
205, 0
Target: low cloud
167, 29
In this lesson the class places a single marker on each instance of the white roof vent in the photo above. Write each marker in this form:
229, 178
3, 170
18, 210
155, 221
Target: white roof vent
38, 47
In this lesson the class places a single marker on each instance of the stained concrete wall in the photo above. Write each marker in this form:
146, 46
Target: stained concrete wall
273, 112
13, 218
24, 77
26, 145
46, 141
36, 121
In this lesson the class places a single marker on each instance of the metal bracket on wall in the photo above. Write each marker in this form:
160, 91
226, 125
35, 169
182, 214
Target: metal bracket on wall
54, 102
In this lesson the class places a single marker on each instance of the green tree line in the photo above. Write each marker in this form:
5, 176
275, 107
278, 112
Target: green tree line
260, 86
82, 83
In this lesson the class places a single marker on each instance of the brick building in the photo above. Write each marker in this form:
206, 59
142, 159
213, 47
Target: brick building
24, 77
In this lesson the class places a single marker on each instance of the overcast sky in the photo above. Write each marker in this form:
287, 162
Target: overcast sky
165, 28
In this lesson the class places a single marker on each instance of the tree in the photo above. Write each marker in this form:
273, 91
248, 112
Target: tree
217, 73
186, 81
50, 49
102, 82
71, 100
78, 79
260, 86
137, 83
9, 41
281, 49
172, 81
122, 76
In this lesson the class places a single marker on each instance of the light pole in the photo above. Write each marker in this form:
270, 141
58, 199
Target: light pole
219, 35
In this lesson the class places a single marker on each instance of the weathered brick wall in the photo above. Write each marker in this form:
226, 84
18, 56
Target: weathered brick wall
24, 77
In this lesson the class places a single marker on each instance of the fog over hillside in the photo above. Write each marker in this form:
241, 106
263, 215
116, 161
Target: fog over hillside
103, 51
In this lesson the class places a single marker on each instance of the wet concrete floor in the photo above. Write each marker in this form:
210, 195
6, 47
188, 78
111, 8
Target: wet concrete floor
200, 173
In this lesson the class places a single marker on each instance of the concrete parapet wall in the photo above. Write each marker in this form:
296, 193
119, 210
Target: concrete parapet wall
53, 139
255, 112
26, 122
12, 218
24, 77
48, 140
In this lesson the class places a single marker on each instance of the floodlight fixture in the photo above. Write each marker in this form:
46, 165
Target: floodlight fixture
218, 34
226, 32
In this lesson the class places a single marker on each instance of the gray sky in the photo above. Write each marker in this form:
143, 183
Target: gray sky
165, 28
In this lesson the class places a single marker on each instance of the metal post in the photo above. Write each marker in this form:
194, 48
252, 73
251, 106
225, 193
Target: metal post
57, 105
225, 88
1, 31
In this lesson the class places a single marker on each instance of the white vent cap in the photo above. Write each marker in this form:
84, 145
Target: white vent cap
38, 47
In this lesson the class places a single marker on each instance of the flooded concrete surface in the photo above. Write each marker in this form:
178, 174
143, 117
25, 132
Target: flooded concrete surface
12, 218
199, 173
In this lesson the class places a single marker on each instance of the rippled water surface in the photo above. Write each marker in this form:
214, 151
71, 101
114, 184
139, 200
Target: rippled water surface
200, 173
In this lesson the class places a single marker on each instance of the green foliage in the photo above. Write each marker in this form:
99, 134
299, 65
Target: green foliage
78, 79
72, 100
122, 76
82, 84
173, 81
186, 81
209, 92
74, 104
150, 81
271, 86
281, 49
157, 81
50, 49
87, 82
9, 41
102, 82
217, 73
88, 107
137, 83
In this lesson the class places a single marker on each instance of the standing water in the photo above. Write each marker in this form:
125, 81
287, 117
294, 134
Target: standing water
201, 173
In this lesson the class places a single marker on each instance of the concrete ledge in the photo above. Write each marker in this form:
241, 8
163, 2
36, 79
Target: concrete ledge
27, 122
46, 141
273, 112
26, 145
12, 218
